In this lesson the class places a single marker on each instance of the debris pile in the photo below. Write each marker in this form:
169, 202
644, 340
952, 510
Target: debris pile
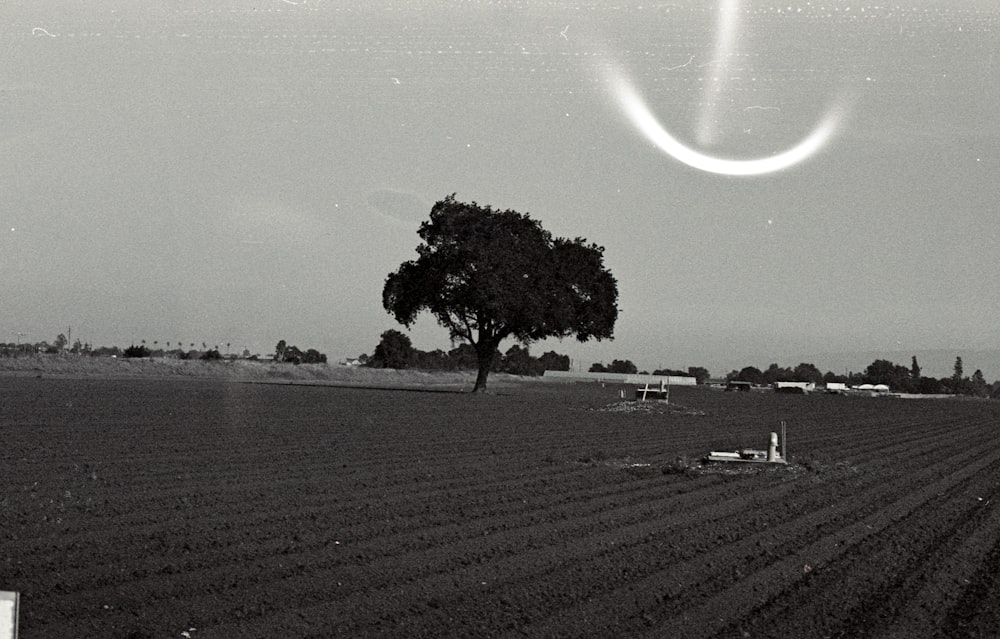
658, 408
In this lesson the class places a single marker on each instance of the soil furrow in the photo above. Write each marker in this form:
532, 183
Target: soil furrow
709, 576
767, 584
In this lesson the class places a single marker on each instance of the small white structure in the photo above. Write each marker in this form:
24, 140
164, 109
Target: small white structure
873, 388
8, 614
661, 394
836, 387
794, 387
769, 456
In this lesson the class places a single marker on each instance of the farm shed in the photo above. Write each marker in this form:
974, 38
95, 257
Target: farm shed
794, 387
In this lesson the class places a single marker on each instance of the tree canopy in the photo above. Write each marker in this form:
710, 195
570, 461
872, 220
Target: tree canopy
394, 350
285, 352
616, 366
486, 275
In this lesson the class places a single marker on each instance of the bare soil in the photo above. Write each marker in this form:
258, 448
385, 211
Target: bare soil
191, 507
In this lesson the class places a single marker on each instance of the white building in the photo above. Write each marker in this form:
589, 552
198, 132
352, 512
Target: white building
795, 387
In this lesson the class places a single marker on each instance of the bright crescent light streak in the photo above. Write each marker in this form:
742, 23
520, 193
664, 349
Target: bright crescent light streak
647, 124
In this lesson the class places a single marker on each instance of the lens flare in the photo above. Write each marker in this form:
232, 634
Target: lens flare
724, 44
640, 116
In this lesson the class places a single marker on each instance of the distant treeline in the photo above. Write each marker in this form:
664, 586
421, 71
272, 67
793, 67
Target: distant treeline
395, 350
78, 348
134, 350
896, 376
899, 378
283, 351
626, 366
142, 349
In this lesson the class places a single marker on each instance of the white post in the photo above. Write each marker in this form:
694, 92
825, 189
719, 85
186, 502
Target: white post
8, 614
784, 442
771, 447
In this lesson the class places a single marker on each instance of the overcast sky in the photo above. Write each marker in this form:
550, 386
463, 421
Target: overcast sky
252, 171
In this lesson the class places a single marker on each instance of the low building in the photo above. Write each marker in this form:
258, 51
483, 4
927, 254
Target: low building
794, 387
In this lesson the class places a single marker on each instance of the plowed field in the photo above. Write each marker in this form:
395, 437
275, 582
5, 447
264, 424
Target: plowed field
211, 509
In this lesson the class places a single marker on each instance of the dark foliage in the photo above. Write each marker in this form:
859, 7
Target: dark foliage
669, 372
750, 374
487, 275
136, 351
283, 352
395, 350
518, 361
895, 376
553, 361
807, 373
616, 366
313, 356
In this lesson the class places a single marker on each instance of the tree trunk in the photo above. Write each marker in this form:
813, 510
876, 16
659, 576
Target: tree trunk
485, 354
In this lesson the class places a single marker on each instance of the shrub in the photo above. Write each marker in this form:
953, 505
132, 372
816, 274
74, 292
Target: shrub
136, 351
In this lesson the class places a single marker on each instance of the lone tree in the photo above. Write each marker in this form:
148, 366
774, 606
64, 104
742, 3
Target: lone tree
487, 274
393, 351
